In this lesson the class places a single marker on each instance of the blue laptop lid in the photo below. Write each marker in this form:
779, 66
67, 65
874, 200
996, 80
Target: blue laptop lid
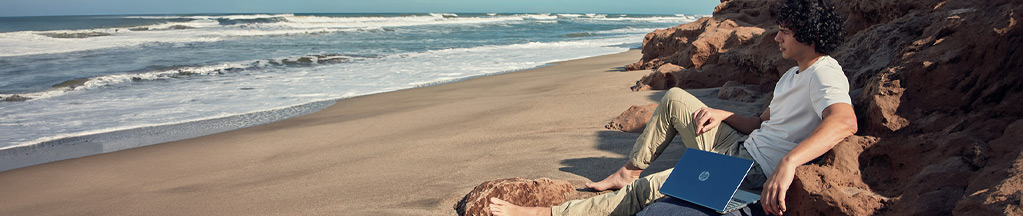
706, 178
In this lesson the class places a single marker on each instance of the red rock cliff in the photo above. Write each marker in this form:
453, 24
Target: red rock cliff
936, 86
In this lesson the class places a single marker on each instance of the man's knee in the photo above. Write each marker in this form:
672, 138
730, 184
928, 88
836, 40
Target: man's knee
676, 94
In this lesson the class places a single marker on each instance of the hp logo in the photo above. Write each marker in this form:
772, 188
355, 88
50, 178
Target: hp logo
704, 176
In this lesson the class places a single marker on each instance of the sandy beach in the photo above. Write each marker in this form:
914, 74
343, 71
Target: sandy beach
410, 152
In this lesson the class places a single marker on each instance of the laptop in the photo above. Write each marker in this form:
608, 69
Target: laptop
710, 180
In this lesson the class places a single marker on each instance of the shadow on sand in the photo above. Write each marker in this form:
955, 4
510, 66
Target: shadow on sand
620, 143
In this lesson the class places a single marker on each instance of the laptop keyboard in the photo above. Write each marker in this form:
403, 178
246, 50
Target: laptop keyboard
734, 203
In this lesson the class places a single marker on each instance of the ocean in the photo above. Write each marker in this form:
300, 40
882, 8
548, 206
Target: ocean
132, 80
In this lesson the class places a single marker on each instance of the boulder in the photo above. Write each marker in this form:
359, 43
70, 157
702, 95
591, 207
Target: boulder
541, 192
177, 27
732, 90
634, 119
662, 78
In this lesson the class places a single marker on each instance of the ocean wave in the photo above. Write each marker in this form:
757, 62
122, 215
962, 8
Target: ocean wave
63, 41
215, 28
162, 73
444, 15
569, 15
398, 21
627, 30
660, 19
580, 34
189, 29
604, 42
212, 17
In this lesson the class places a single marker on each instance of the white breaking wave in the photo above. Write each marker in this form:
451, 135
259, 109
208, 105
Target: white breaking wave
209, 29
124, 78
36, 42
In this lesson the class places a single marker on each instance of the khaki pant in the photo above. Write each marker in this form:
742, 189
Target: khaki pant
673, 116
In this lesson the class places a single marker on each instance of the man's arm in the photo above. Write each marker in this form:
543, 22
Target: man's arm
838, 123
708, 118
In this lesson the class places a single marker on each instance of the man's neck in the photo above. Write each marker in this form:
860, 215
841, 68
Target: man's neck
806, 62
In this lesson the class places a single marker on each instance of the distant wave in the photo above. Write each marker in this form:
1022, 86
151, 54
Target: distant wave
580, 34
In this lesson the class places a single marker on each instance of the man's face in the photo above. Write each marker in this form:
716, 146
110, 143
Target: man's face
789, 47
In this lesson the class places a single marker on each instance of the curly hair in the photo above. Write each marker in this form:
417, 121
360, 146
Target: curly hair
813, 22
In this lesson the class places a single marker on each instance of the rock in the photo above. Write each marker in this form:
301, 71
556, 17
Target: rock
74, 34
835, 180
332, 59
661, 79
935, 86
16, 98
176, 27
541, 192
634, 119
733, 91
997, 189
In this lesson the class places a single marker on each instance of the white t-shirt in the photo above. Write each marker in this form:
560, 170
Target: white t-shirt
796, 110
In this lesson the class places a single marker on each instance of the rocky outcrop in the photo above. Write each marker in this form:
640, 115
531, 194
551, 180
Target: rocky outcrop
713, 50
634, 119
523, 192
935, 83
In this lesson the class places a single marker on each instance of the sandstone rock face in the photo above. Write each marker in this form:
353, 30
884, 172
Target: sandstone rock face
713, 50
634, 119
937, 89
523, 192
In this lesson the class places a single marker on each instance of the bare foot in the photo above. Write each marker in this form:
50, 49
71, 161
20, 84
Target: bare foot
617, 180
500, 207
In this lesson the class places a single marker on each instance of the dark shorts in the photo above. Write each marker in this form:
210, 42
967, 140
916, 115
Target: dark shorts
670, 206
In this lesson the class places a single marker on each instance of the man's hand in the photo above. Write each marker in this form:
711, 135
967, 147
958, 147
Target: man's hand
708, 118
772, 199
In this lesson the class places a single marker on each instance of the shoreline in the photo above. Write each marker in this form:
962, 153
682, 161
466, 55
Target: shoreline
407, 152
111, 140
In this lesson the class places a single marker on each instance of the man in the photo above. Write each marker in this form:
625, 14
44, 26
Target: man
810, 113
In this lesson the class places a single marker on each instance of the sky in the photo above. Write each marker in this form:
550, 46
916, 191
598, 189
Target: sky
12, 8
